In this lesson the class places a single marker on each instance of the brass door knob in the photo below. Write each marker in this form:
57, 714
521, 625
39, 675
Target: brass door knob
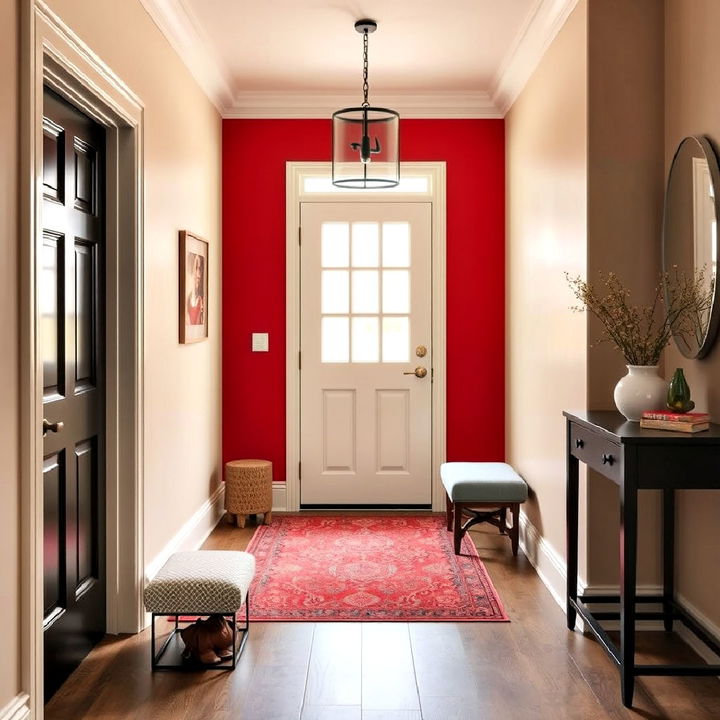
55, 427
419, 371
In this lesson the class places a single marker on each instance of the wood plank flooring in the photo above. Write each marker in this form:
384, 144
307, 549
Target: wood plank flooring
531, 668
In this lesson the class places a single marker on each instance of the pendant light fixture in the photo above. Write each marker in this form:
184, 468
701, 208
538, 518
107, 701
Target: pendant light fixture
366, 140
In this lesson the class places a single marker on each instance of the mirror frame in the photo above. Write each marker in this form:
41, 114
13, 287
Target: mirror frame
714, 317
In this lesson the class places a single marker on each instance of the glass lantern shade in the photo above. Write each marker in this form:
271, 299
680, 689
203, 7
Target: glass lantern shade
366, 148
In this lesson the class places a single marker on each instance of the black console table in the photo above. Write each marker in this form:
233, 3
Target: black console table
637, 459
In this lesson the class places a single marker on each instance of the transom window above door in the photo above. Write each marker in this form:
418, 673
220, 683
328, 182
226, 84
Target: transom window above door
365, 292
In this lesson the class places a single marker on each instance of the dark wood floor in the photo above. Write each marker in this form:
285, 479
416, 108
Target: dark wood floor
531, 668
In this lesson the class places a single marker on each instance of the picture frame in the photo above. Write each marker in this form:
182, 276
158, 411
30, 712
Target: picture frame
193, 288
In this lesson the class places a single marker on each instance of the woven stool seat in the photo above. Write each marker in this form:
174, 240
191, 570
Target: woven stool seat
248, 490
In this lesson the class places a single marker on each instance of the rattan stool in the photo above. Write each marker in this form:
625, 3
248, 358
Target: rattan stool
248, 490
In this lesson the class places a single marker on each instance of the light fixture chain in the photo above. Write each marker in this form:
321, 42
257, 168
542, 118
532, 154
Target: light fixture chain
365, 69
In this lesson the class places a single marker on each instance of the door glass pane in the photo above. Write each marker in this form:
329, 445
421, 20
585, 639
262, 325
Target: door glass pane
396, 244
335, 339
365, 291
396, 340
335, 244
365, 340
335, 291
365, 245
396, 291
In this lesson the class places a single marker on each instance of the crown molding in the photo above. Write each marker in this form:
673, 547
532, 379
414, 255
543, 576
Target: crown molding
294, 104
185, 35
534, 38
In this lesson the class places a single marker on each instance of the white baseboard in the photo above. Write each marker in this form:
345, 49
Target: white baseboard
193, 533
547, 561
690, 638
279, 497
17, 709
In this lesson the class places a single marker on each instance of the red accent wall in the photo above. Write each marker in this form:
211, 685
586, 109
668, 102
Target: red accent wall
254, 157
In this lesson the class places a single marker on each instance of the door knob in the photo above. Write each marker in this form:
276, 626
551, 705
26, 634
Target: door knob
55, 427
419, 371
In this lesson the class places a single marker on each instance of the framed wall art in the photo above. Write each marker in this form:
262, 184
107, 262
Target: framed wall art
193, 285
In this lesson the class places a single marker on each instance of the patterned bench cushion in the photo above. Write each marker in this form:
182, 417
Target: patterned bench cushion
201, 582
483, 482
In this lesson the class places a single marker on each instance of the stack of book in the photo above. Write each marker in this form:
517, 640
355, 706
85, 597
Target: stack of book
679, 422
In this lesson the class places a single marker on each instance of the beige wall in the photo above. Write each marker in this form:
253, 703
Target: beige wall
182, 190
9, 371
546, 150
625, 194
584, 194
692, 107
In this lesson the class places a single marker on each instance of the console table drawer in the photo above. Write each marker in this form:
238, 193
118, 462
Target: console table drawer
596, 452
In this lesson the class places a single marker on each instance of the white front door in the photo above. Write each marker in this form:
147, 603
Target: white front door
365, 327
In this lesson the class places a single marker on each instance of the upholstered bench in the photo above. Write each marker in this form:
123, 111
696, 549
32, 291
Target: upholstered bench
484, 491
199, 583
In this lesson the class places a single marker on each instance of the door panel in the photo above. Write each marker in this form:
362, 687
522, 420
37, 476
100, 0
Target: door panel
393, 425
366, 305
71, 298
54, 533
52, 311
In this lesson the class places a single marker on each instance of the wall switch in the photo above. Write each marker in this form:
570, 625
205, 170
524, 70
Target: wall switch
260, 342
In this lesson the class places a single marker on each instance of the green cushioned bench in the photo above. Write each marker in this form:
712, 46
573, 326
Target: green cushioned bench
484, 491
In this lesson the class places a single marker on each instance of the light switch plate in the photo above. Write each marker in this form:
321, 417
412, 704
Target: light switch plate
260, 342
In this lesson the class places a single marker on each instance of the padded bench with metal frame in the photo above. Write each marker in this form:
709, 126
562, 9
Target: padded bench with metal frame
201, 583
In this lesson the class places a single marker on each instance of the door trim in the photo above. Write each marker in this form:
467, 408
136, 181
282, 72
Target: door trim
53, 55
288, 497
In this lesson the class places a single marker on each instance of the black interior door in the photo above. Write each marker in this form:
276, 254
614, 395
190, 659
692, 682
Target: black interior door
70, 273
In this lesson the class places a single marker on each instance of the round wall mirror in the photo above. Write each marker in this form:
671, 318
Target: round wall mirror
689, 245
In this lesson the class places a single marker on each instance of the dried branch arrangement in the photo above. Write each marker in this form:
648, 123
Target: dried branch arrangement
680, 305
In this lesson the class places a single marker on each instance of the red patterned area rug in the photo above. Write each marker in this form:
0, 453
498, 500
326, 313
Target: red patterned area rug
368, 568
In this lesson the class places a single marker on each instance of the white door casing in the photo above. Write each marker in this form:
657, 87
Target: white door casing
310, 181
365, 308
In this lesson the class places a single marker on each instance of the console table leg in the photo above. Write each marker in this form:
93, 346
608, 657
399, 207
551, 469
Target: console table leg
628, 570
668, 539
572, 500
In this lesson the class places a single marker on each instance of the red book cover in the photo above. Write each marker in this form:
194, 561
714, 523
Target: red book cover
691, 417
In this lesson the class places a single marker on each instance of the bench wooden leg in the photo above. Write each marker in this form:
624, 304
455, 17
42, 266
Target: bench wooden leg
449, 511
457, 526
267, 518
515, 532
502, 524
240, 520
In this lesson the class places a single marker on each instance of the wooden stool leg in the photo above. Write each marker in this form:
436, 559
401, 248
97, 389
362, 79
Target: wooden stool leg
449, 511
241, 521
267, 518
457, 533
515, 532
230, 518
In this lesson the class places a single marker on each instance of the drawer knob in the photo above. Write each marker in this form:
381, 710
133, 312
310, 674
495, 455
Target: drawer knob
607, 459
579, 443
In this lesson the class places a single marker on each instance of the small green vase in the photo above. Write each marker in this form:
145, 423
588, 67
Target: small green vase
678, 395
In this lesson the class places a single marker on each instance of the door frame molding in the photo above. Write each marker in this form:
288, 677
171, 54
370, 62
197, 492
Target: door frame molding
287, 496
53, 55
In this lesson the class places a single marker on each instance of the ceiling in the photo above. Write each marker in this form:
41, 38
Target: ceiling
303, 58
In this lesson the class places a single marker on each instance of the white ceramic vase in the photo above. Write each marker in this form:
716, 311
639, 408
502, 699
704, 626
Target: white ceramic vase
641, 389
